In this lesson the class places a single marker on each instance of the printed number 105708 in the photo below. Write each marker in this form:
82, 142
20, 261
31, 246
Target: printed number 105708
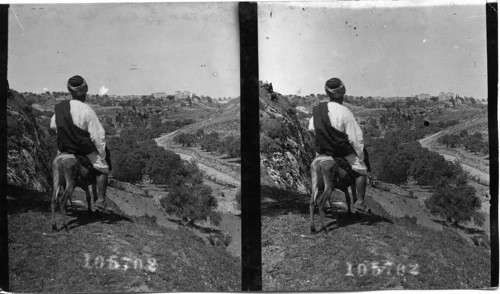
116, 263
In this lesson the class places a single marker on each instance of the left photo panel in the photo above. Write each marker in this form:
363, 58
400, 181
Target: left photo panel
123, 147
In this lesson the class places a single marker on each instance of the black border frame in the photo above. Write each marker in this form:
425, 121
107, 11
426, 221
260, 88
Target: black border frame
250, 168
251, 255
4, 88
492, 60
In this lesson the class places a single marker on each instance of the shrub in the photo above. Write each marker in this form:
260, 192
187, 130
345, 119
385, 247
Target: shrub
273, 128
431, 166
127, 167
200, 133
267, 145
169, 169
456, 203
192, 204
393, 170
186, 139
210, 142
232, 146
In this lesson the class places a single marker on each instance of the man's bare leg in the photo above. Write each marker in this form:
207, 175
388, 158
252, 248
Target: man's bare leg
360, 193
102, 182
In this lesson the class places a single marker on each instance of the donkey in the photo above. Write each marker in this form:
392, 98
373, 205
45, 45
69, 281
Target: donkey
331, 173
69, 173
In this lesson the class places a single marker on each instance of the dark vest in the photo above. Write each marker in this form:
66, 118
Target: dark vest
329, 141
70, 138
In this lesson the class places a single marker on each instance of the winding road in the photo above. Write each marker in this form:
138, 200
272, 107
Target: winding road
430, 142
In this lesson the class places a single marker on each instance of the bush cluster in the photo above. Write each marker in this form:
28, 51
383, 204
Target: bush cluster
476, 144
456, 202
273, 128
212, 142
186, 139
450, 140
190, 199
131, 160
395, 162
192, 204
268, 145
473, 143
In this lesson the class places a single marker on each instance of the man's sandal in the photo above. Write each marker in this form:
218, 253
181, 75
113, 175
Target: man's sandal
362, 208
102, 207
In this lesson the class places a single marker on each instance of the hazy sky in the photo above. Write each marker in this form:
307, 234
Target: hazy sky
128, 48
376, 51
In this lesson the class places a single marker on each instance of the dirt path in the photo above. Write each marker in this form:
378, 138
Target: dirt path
475, 173
212, 173
429, 141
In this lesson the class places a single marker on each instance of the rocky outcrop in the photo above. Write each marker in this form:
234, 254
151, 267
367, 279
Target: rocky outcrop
28, 145
286, 163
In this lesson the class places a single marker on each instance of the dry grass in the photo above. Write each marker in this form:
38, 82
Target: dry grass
46, 261
294, 260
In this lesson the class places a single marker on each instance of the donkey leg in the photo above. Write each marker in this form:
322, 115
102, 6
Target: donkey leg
347, 200
55, 197
94, 191
326, 168
62, 204
312, 204
322, 201
87, 193
354, 195
314, 192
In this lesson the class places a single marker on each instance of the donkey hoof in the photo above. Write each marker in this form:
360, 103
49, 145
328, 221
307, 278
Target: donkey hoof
313, 230
54, 227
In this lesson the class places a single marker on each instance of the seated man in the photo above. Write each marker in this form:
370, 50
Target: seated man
80, 132
338, 134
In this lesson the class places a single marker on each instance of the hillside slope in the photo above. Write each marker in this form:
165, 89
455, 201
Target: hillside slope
415, 256
476, 124
286, 164
225, 118
27, 149
184, 261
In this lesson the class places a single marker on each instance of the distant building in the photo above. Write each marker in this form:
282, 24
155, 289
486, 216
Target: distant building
182, 95
442, 96
158, 95
423, 96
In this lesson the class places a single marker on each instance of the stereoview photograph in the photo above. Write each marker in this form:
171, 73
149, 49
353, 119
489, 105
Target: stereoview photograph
374, 146
124, 148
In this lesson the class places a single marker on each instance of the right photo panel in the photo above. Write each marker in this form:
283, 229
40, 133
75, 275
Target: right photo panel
374, 146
